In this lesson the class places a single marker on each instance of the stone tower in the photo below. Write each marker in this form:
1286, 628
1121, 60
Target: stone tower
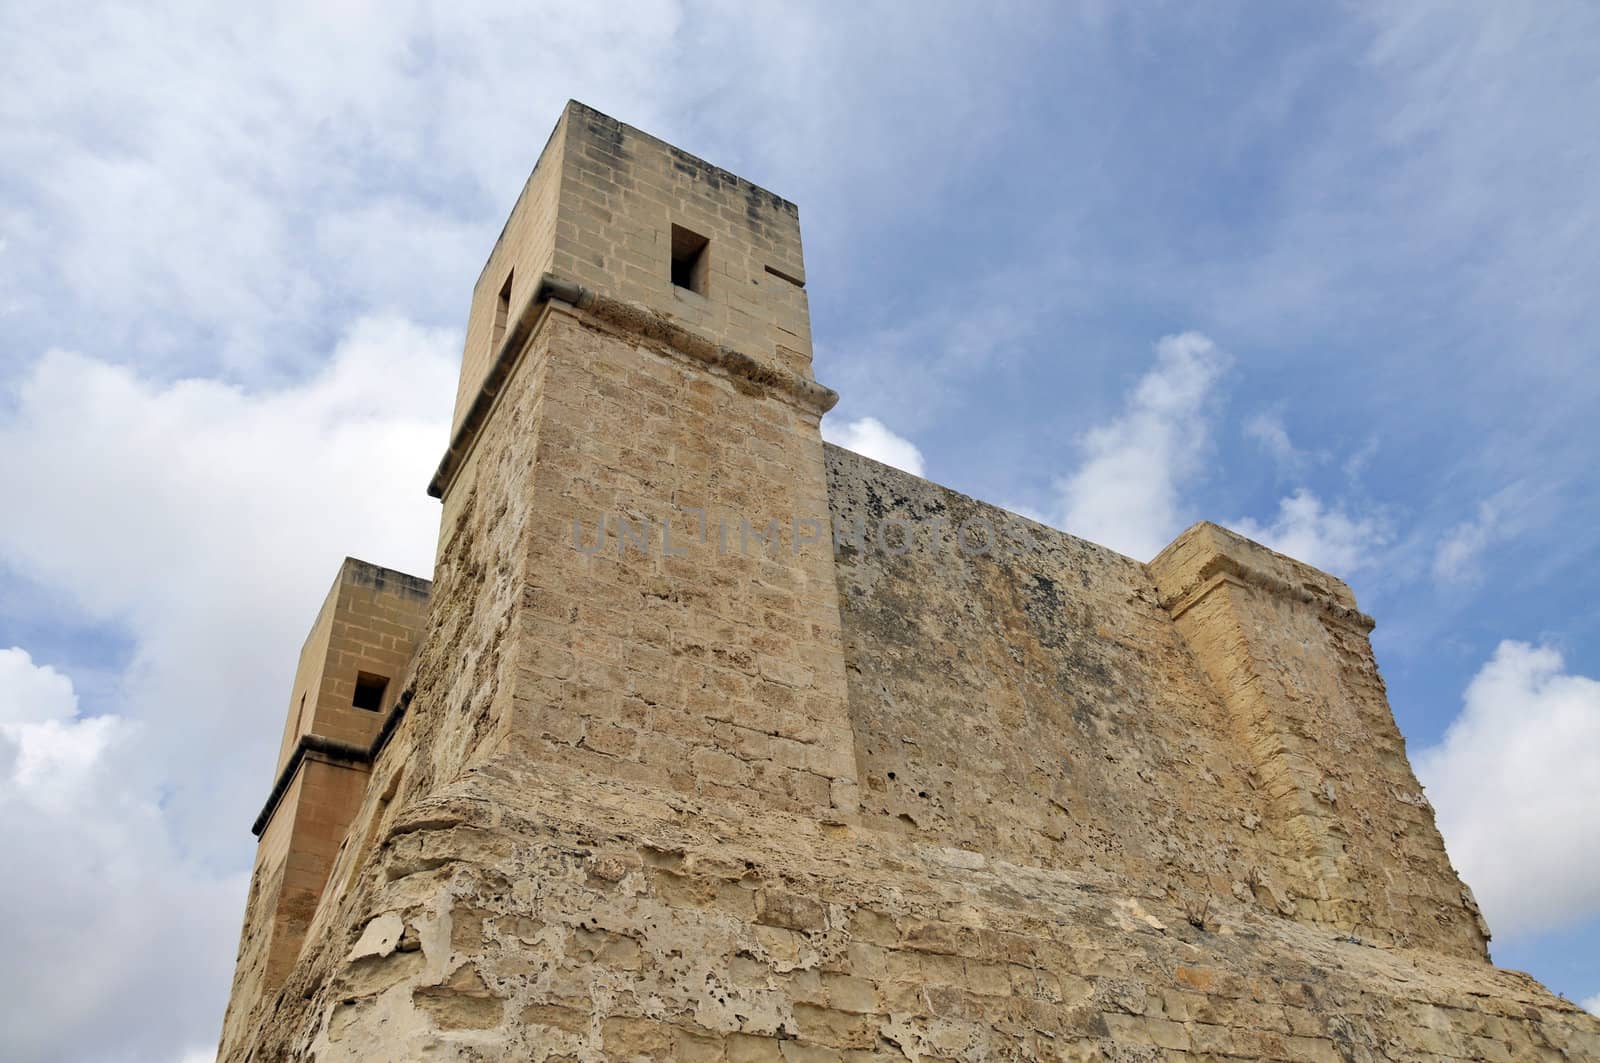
711, 742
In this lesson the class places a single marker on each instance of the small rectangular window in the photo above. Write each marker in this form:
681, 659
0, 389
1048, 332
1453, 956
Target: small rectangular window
369, 691
502, 313
690, 261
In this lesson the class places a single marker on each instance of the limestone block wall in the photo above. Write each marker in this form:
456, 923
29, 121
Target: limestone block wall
622, 193
297, 847
254, 970
1033, 702
556, 907
306, 692
666, 420
668, 650
1038, 702
665, 650
681, 667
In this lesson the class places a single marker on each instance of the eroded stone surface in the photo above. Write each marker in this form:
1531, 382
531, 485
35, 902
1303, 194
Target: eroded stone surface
575, 934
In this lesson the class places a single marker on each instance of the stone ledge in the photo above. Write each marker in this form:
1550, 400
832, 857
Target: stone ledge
632, 319
332, 750
1185, 581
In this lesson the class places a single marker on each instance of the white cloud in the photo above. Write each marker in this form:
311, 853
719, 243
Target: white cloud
1268, 430
1515, 788
98, 896
1592, 1005
48, 751
1356, 464
869, 436
175, 185
1126, 493
207, 523
1330, 539
1458, 559
30, 693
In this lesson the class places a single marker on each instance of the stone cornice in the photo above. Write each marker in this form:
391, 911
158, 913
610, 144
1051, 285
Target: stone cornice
633, 319
332, 750
1222, 569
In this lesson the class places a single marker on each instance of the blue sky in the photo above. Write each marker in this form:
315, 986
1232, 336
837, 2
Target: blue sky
1324, 274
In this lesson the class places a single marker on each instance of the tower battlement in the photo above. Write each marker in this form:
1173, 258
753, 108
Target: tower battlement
747, 788
633, 218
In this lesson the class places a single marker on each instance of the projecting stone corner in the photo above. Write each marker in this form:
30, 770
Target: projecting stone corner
1286, 651
1208, 556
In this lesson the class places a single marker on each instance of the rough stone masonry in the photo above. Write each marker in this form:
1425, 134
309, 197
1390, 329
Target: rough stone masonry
708, 741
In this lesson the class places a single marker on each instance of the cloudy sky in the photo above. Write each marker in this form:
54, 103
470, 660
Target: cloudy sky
1323, 273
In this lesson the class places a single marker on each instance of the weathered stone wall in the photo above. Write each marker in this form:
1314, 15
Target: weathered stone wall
570, 908
253, 970
664, 792
526, 913
622, 192
523, 253
688, 662
1028, 695
1032, 701
306, 691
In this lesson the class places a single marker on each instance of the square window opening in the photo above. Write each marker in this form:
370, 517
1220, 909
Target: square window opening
690, 260
369, 691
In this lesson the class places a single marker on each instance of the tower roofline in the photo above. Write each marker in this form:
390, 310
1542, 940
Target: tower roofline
579, 108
